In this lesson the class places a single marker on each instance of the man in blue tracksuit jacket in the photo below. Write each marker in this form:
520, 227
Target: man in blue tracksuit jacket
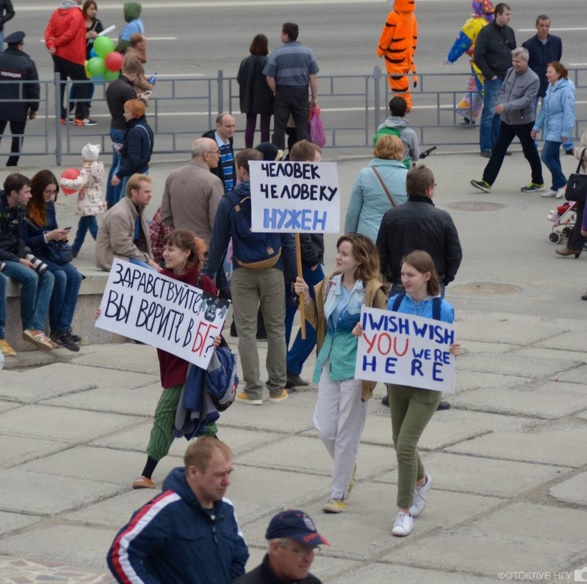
189, 533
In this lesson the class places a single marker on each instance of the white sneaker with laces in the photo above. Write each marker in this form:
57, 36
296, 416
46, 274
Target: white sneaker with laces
550, 193
402, 525
561, 193
420, 495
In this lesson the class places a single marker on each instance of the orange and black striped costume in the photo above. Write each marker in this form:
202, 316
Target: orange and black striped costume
397, 44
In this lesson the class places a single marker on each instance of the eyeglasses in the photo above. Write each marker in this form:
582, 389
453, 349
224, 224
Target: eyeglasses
217, 152
50, 192
302, 551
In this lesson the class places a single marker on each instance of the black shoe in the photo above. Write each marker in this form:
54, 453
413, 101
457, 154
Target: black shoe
569, 153
584, 297
261, 334
294, 380
75, 338
65, 340
508, 153
233, 332
443, 405
385, 400
225, 293
486, 153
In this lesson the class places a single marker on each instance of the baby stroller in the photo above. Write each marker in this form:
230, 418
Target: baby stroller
563, 218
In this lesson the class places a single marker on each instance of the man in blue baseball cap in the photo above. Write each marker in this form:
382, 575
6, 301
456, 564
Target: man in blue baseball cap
293, 542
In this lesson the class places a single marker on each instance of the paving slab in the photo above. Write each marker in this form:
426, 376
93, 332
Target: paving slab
15, 450
383, 573
571, 341
511, 364
483, 476
517, 537
308, 454
548, 400
573, 490
122, 356
507, 331
47, 495
576, 357
13, 521
62, 378
546, 445
76, 545
8, 405
138, 401
574, 375
20, 571
61, 424
468, 380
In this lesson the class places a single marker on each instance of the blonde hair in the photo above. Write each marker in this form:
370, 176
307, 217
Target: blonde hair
389, 147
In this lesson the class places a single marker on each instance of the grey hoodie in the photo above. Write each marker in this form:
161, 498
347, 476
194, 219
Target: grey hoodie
407, 135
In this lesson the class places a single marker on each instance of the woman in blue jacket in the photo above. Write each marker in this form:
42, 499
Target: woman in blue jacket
369, 201
40, 230
137, 145
556, 120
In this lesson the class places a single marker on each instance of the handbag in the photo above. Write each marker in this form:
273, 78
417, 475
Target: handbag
384, 187
577, 184
59, 252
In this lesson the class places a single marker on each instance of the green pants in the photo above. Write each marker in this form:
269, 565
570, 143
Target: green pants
162, 436
411, 409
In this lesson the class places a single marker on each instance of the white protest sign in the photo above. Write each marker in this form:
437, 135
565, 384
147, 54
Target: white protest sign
290, 197
149, 307
406, 350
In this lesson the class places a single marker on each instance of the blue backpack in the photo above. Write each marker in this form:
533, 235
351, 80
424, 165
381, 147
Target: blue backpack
257, 251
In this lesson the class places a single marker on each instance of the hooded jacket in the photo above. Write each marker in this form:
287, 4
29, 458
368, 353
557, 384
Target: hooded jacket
132, 15
12, 246
174, 539
137, 148
66, 32
557, 116
408, 136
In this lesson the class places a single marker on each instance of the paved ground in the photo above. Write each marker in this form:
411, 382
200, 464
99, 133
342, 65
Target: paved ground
508, 460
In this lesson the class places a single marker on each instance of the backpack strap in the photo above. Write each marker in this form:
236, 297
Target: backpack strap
146, 132
384, 187
436, 305
398, 300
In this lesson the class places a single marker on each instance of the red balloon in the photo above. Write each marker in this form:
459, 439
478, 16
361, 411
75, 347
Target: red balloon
72, 174
113, 61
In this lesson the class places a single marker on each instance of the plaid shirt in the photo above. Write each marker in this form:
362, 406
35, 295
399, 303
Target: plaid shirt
158, 231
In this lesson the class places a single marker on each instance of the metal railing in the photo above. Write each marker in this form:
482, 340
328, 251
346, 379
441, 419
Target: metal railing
182, 109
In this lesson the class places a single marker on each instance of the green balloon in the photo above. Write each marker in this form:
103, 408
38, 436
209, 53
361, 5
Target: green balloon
96, 66
111, 75
103, 46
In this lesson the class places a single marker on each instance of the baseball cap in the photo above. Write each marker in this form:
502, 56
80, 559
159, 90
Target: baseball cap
297, 525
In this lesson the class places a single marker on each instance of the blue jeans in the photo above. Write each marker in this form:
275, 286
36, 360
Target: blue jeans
113, 193
490, 122
85, 223
35, 294
64, 298
3, 285
301, 349
551, 158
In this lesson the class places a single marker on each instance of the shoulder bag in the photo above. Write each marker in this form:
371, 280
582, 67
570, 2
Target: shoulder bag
577, 184
384, 187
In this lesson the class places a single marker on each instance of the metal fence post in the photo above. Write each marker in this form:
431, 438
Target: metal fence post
377, 94
220, 91
58, 153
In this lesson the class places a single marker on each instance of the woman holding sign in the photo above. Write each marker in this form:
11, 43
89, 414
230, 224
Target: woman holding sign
412, 408
183, 259
341, 408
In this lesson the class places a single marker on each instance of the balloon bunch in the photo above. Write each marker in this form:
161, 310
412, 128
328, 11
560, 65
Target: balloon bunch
105, 63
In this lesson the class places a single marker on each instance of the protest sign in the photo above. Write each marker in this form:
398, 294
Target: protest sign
404, 349
144, 305
289, 197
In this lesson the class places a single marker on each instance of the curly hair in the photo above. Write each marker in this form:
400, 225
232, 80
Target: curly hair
188, 241
365, 254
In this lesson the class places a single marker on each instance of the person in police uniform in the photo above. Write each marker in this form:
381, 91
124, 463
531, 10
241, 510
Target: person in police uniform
16, 65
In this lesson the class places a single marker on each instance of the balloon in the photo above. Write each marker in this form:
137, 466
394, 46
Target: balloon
96, 66
103, 46
72, 174
93, 53
111, 75
113, 61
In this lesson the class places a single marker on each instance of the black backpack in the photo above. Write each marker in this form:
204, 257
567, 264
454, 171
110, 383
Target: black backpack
436, 303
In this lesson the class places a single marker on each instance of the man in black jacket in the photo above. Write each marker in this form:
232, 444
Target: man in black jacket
293, 541
117, 94
493, 55
17, 66
418, 224
6, 14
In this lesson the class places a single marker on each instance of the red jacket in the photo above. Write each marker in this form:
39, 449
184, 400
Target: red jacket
66, 32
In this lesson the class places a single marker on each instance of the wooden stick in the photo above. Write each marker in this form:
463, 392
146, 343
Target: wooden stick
301, 295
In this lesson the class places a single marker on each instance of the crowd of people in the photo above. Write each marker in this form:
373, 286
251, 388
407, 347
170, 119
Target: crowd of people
398, 253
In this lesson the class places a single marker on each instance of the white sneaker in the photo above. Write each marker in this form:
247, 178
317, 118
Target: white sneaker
550, 193
402, 525
561, 193
420, 495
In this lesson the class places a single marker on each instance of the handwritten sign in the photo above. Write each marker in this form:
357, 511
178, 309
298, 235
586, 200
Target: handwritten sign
149, 307
406, 350
290, 197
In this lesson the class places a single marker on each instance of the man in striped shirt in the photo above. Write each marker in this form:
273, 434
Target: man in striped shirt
223, 135
189, 533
